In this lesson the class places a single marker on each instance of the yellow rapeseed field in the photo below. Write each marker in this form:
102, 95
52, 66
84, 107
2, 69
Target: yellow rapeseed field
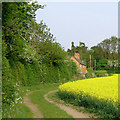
105, 88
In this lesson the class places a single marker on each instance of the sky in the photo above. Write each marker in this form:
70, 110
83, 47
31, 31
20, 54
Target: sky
88, 22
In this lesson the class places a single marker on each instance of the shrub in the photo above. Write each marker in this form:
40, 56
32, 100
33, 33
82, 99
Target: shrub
101, 73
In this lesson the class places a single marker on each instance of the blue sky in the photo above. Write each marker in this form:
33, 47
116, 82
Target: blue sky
88, 22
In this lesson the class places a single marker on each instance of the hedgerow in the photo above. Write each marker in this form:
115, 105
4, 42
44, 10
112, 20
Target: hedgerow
30, 54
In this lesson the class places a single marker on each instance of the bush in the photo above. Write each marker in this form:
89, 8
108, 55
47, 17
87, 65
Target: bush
91, 73
99, 73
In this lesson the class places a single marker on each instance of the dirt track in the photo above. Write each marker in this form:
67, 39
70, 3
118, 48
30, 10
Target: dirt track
74, 113
37, 114
33, 107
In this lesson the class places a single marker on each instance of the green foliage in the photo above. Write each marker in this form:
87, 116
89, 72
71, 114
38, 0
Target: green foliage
16, 17
97, 52
9, 90
32, 72
30, 54
90, 74
18, 71
107, 49
59, 73
72, 67
101, 73
113, 66
7, 76
26, 74
52, 52
102, 64
96, 73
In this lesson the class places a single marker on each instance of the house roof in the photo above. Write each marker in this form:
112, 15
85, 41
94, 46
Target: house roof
78, 60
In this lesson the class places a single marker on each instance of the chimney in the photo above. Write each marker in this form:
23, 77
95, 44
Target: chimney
77, 55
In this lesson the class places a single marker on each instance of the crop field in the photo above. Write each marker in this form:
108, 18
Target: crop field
100, 94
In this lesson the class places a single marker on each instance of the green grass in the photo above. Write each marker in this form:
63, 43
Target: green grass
47, 109
57, 99
19, 111
22, 111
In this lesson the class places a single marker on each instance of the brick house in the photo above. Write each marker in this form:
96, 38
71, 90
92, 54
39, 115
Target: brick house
79, 63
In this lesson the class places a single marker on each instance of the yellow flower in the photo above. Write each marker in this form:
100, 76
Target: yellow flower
102, 87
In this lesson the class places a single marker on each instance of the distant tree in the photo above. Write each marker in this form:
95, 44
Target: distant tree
102, 64
73, 49
69, 51
98, 52
81, 49
108, 49
105, 50
114, 48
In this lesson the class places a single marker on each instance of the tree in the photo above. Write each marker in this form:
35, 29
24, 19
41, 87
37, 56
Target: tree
114, 50
102, 64
83, 51
98, 52
110, 47
16, 17
72, 48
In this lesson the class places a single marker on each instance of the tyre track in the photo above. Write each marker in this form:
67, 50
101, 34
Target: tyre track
33, 107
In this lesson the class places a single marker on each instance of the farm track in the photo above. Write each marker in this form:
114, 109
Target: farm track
74, 113
37, 114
